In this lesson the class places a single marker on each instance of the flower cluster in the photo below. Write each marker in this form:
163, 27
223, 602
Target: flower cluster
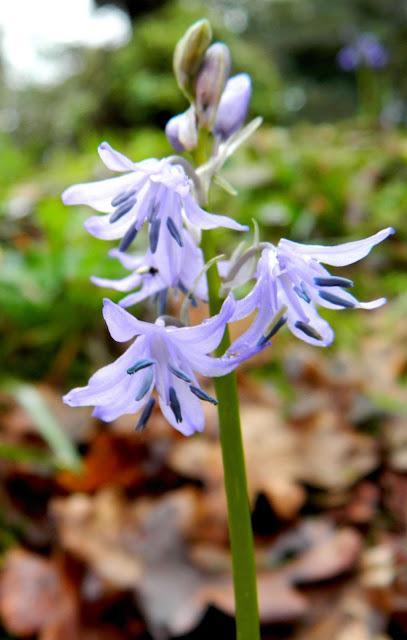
165, 197
366, 50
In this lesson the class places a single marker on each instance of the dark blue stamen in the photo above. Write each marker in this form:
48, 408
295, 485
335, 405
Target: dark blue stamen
175, 405
302, 293
180, 374
308, 330
172, 228
184, 290
162, 302
145, 415
154, 234
152, 214
122, 210
145, 387
139, 365
199, 393
122, 197
128, 237
333, 281
272, 332
341, 302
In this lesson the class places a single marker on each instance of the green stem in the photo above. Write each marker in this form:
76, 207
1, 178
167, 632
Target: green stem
240, 528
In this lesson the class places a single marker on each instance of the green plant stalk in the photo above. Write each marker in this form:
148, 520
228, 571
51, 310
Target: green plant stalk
239, 520
240, 527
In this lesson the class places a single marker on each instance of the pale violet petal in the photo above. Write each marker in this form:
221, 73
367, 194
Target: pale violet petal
99, 195
204, 220
149, 288
130, 262
193, 419
233, 105
341, 254
124, 284
122, 325
204, 337
373, 304
101, 227
113, 159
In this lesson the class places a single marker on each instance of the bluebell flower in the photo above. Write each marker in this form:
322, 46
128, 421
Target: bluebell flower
233, 105
182, 132
155, 191
291, 282
365, 50
164, 358
154, 273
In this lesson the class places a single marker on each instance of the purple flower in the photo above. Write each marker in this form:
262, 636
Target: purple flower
233, 105
290, 284
164, 358
365, 50
154, 273
155, 191
182, 132
348, 58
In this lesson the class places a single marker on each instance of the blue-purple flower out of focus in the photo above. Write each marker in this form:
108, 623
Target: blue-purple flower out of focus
155, 191
291, 282
164, 358
233, 105
153, 274
366, 50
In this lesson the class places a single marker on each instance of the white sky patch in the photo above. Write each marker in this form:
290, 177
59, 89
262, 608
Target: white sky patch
31, 32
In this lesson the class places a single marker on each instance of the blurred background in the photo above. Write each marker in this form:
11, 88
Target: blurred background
113, 535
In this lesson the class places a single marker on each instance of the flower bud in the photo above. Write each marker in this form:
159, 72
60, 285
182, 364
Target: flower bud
211, 82
181, 131
233, 105
188, 55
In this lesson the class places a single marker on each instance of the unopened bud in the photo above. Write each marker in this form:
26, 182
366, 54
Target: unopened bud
233, 105
189, 53
211, 82
181, 131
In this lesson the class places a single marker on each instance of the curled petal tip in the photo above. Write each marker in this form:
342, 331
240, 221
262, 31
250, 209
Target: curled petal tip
66, 196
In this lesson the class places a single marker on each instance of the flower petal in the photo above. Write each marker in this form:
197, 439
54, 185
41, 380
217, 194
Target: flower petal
150, 287
122, 325
204, 220
340, 254
99, 195
204, 337
123, 284
113, 159
193, 418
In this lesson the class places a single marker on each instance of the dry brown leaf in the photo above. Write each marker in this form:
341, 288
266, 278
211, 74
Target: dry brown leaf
100, 531
111, 461
35, 597
278, 600
339, 553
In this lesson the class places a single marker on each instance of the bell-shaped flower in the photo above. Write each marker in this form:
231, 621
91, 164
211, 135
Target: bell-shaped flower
164, 358
155, 191
154, 273
291, 282
233, 105
182, 132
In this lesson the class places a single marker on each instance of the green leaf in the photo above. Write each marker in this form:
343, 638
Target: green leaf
52, 432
